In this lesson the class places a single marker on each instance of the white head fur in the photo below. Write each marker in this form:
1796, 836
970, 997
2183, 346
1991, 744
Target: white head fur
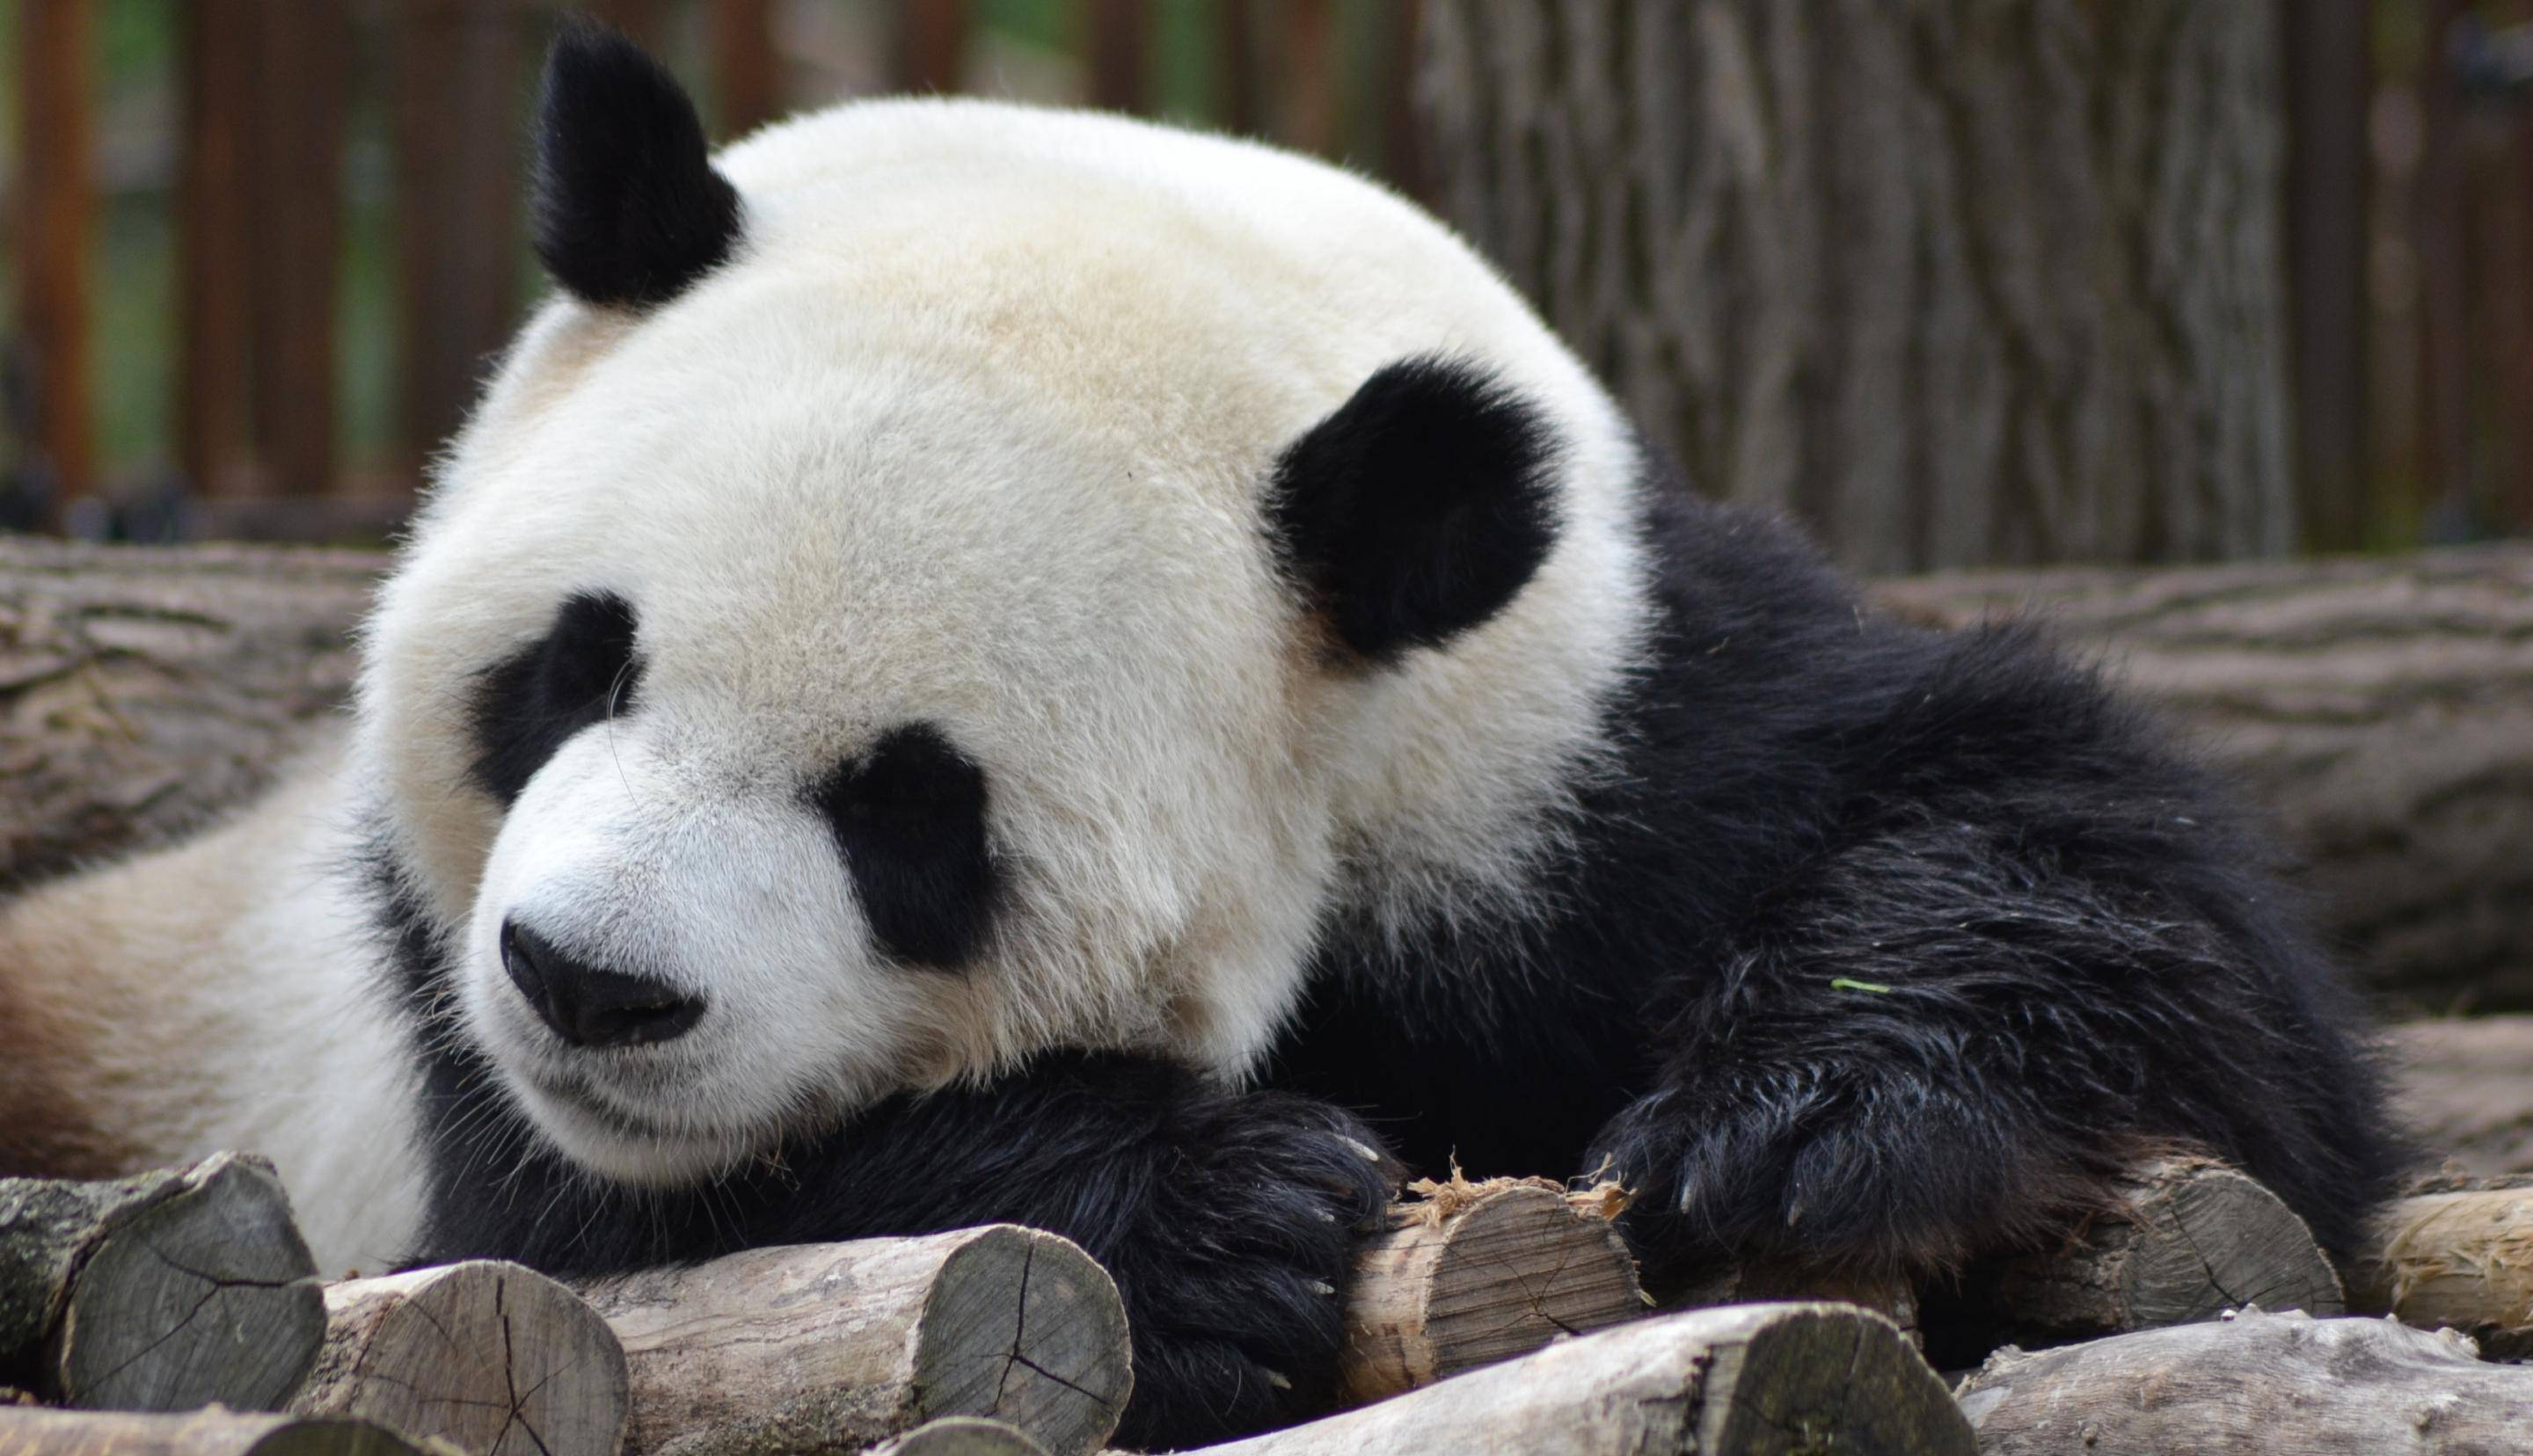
972, 430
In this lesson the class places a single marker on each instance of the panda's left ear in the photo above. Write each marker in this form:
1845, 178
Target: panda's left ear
1417, 510
628, 210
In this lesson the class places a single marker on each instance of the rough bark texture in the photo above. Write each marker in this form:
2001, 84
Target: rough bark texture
2379, 711
2190, 1240
1750, 1378
960, 1435
2253, 1385
495, 1359
28, 1432
1960, 282
833, 1347
141, 690
2457, 1260
160, 1292
2466, 1088
1478, 1273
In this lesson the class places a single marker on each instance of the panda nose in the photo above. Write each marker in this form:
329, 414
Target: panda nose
589, 1006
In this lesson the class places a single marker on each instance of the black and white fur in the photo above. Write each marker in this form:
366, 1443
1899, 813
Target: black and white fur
985, 664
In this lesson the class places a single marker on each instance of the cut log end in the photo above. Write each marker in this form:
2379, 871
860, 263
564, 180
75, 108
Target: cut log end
2189, 1239
1747, 1379
1498, 1275
487, 1356
206, 1294
1048, 1361
26, 1431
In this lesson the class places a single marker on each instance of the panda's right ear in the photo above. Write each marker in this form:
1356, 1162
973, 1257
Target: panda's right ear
1417, 510
627, 209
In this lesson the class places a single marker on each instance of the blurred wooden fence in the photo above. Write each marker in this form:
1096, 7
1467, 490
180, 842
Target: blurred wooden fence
2410, 222
266, 90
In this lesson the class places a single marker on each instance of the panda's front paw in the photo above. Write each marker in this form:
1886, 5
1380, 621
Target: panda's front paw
1880, 1176
1234, 1279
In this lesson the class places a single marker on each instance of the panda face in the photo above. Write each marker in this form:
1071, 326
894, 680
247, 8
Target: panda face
942, 631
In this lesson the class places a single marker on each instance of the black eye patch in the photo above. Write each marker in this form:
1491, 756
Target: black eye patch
580, 671
910, 816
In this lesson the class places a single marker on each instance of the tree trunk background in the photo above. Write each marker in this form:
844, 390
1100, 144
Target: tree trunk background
1959, 282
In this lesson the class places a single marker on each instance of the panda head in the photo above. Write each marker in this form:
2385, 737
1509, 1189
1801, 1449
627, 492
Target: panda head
946, 580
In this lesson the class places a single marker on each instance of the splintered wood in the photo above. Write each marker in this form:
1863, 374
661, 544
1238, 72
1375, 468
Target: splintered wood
488, 1357
834, 1346
1479, 1273
2462, 1261
161, 1292
1748, 1378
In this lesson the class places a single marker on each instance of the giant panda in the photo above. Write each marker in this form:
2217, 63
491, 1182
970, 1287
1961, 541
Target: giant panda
984, 664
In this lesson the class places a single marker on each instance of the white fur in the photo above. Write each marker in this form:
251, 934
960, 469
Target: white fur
972, 432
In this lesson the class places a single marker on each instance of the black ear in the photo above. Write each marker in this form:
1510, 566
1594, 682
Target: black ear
1417, 510
628, 208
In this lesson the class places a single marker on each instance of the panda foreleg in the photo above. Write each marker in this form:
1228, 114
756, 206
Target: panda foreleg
1932, 1044
1228, 1219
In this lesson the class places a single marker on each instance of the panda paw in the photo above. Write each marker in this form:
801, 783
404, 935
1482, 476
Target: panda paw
1887, 1179
1234, 1278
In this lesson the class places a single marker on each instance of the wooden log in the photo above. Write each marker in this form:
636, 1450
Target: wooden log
2466, 1089
31, 1431
960, 1435
2256, 1384
832, 1347
1476, 1273
161, 1292
2189, 1239
2378, 710
142, 690
487, 1356
2457, 1260
1747, 1379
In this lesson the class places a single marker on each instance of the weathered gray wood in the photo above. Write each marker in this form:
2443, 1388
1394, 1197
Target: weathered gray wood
144, 688
161, 1292
1960, 284
29, 1431
495, 1359
2378, 711
2466, 1089
2460, 1260
1713, 1382
833, 1347
960, 1435
2189, 1239
2253, 1385
1477, 1273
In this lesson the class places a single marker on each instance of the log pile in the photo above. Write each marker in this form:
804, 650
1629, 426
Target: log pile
144, 688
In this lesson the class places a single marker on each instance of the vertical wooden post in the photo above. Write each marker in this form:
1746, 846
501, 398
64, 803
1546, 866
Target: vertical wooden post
1119, 53
303, 53
2445, 285
55, 203
215, 240
2329, 83
932, 44
642, 19
747, 80
1314, 118
1403, 157
459, 74
1243, 109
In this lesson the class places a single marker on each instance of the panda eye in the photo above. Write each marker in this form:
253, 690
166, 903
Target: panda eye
526, 706
910, 817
